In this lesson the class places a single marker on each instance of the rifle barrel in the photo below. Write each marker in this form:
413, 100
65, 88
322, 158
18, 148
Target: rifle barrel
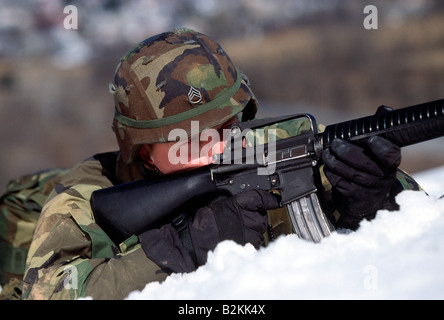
404, 127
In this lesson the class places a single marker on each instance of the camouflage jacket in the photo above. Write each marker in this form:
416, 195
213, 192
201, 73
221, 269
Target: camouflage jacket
70, 255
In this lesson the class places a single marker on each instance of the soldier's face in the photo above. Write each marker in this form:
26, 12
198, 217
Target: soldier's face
173, 157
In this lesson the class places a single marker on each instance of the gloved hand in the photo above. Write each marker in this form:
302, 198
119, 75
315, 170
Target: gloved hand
241, 218
361, 177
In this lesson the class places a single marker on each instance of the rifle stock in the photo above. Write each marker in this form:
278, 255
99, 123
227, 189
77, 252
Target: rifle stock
132, 208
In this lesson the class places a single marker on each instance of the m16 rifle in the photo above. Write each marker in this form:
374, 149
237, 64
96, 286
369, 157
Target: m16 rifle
289, 166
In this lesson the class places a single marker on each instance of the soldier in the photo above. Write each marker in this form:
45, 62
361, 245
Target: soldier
162, 84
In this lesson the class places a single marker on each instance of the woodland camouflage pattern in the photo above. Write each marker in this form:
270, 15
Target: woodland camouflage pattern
153, 80
280, 130
71, 256
20, 207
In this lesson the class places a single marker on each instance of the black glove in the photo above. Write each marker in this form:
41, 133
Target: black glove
241, 218
361, 177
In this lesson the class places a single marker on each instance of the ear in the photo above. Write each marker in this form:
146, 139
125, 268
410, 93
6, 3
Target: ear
144, 154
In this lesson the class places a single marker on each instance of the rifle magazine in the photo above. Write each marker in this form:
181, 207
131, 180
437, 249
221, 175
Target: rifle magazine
308, 220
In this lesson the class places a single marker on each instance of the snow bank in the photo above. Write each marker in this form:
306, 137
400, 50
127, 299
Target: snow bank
432, 181
398, 255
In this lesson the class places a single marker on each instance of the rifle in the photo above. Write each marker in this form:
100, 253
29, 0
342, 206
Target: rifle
289, 166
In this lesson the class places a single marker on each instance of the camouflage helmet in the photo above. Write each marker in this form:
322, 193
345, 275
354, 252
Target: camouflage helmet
168, 80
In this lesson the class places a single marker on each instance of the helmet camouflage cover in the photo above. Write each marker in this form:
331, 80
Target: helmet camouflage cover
168, 80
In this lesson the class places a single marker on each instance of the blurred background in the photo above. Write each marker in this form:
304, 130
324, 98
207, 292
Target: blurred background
310, 56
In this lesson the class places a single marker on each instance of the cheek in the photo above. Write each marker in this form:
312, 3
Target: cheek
185, 157
159, 153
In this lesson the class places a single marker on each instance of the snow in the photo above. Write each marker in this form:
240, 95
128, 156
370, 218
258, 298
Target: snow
398, 255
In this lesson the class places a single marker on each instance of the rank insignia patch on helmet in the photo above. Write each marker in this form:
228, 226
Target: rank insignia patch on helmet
194, 96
